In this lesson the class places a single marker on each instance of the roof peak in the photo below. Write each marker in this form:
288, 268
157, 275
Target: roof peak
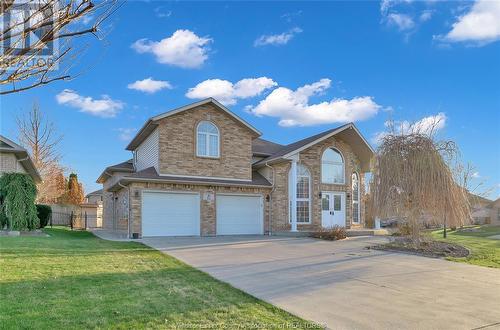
151, 122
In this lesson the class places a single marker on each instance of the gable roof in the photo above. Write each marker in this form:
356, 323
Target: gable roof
151, 123
261, 147
95, 193
476, 199
22, 156
126, 166
349, 132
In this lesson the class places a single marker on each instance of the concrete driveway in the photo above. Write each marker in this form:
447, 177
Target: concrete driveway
345, 286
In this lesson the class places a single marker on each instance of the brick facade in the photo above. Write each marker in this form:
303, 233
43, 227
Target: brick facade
311, 159
208, 214
177, 156
115, 205
178, 145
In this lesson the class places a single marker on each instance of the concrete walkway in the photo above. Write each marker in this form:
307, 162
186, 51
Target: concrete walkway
345, 286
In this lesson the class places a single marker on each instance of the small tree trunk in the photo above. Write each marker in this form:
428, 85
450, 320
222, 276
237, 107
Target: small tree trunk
444, 229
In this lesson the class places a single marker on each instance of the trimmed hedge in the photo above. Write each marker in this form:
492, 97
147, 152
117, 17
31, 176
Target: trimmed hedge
43, 212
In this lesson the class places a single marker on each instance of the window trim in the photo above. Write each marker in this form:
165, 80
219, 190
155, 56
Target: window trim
300, 199
333, 163
358, 202
207, 140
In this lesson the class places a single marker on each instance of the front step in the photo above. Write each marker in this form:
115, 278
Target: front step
366, 232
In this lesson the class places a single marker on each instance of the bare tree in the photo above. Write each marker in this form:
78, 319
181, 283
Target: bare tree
466, 176
31, 28
39, 136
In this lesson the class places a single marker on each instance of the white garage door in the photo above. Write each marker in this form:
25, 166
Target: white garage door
238, 215
170, 214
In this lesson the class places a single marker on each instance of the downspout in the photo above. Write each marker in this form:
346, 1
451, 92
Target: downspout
128, 208
271, 200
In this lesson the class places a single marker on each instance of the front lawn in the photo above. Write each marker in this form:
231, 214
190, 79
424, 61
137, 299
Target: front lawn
484, 251
75, 280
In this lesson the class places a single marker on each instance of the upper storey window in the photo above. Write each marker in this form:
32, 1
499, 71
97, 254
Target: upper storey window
332, 167
207, 140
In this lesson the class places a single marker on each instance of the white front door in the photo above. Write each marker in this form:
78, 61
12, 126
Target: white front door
332, 209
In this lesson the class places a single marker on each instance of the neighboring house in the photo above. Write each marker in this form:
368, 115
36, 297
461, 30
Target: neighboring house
92, 208
14, 158
202, 170
480, 209
495, 212
94, 197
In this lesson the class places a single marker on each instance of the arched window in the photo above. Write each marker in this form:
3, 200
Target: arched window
303, 194
207, 140
332, 166
355, 198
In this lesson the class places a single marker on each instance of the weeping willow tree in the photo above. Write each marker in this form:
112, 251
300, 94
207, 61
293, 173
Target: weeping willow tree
412, 180
17, 202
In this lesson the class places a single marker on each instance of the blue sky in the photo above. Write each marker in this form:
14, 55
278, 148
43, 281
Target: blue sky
361, 61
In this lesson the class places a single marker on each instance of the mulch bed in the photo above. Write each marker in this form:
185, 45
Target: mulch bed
427, 248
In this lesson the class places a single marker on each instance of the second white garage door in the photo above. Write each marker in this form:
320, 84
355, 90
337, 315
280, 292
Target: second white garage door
239, 215
170, 214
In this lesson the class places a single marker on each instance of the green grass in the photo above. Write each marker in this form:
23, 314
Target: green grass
73, 280
484, 251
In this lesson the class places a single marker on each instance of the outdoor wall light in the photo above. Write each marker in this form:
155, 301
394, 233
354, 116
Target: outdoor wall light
320, 194
268, 198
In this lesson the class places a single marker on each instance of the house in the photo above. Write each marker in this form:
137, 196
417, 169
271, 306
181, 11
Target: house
202, 170
495, 212
91, 209
14, 158
94, 197
480, 208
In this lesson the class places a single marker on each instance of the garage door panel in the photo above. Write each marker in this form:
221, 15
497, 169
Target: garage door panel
238, 215
170, 214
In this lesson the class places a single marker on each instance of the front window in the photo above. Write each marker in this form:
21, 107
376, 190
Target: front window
355, 198
207, 140
332, 167
303, 194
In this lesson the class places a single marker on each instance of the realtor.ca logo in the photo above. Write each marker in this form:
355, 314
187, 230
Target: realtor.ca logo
28, 38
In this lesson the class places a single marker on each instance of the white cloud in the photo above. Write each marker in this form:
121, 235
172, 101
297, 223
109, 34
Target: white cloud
227, 92
104, 107
476, 175
289, 17
162, 14
426, 15
277, 39
184, 49
126, 134
385, 5
293, 108
481, 24
149, 85
402, 21
427, 125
